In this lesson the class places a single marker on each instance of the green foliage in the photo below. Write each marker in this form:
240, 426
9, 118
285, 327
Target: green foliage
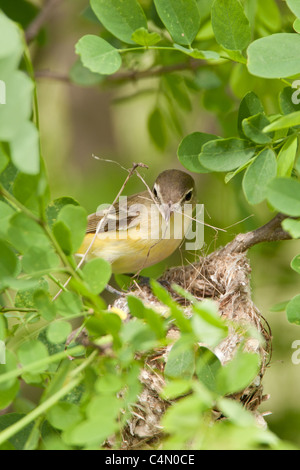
183, 24
98, 55
209, 50
266, 56
230, 24
122, 19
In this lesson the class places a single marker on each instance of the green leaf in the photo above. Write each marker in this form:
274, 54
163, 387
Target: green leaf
10, 38
98, 55
24, 233
8, 176
272, 21
4, 160
25, 153
206, 79
136, 306
20, 11
64, 415
157, 128
175, 388
70, 227
207, 367
286, 157
292, 227
275, 56
232, 174
28, 190
226, 154
181, 359
142, 37
18, 107
230, 24
295, 263
185, 416
55, 206
153, 319
63, 235
207, 325
279, 307
253, 129
39, 259
109, 383
106, 323
120, 17
176, 312
7, 396
190, 148
18, 440
10, 365
83, 76
294, 6
8, 263
284, 122
175, 86
236, 412
68, 303
101, 409
6, 212
289, 100
181, 18
249, 106
258, 175
31, 351
293, 310
296, 25
58, 331
138, 335
284, 195
238, 373
97, 273
43, 302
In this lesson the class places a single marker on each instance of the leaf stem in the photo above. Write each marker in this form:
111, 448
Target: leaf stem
16, 309
17, 204
40, 362
42, 408
52, 400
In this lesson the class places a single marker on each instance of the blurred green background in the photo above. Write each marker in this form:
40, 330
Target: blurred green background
111, 123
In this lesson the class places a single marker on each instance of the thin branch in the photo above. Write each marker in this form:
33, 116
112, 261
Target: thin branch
131, 75
154, 72
270, 232
45, 13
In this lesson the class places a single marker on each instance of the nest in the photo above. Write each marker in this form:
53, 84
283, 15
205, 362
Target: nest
223, 276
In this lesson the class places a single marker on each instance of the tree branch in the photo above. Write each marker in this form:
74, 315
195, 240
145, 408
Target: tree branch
39, 21
125, 76
270, 232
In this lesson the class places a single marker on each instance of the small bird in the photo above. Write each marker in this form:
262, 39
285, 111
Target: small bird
144, 228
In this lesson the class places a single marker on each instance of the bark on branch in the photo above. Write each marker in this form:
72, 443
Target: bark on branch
270, 232
39, 21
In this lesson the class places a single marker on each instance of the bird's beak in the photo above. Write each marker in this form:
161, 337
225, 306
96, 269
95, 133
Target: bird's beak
167, 211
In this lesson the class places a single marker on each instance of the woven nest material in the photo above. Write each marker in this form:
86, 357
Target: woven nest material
223, 276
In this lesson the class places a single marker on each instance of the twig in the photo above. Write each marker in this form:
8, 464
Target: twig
154, 72
39, 21
132, 75
270, 232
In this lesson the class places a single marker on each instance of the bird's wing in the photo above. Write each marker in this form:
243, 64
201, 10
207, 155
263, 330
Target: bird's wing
118, 217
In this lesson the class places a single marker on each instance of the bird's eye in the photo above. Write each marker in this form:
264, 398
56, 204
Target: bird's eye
188, 195
154, 192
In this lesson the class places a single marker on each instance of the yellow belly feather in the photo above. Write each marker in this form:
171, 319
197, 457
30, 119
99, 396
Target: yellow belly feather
130, 250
